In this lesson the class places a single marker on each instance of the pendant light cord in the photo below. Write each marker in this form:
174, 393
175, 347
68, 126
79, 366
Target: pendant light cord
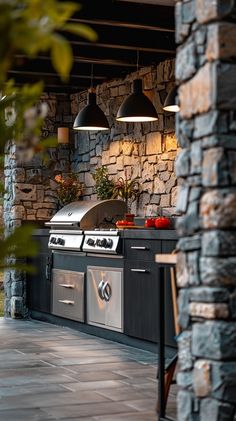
92, 76
137, 60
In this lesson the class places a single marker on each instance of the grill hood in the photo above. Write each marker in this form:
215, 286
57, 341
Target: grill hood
88, 214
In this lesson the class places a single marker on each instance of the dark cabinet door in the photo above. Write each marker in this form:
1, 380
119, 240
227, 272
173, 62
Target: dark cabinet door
140, 300
39, 283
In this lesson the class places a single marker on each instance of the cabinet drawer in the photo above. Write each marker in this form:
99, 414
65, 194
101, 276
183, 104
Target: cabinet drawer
68, 294
142, 249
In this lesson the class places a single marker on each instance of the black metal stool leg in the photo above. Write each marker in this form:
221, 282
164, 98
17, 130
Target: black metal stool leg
161, 344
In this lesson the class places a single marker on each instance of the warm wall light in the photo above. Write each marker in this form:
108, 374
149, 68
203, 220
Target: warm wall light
137, 107
63, 135
91, 117
171, 103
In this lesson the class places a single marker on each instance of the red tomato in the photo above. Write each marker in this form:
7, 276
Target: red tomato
150, 222
162, 222
121, 223
129, 223
124, 223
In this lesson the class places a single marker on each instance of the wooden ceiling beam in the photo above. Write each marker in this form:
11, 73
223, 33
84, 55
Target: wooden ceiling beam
128, 47
123, 24
137, 14
40, 73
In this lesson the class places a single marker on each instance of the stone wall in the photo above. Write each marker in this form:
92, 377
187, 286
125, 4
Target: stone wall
206, 272
30, 192
146, 150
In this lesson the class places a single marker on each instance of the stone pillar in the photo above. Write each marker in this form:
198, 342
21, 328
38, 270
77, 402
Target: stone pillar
206, 169
31, 192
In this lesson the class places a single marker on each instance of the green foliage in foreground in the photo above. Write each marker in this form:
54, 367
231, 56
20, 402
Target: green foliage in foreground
16, 247
27, 28
1, 303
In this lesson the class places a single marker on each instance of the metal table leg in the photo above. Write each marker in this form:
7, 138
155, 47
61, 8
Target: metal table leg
161, 345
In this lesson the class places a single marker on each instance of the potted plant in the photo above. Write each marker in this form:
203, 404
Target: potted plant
127, 190
104, 186
69, 189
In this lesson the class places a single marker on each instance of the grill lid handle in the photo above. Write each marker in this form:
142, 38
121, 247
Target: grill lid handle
61, 224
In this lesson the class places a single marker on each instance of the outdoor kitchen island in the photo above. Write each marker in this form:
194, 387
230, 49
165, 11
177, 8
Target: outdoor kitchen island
113, 296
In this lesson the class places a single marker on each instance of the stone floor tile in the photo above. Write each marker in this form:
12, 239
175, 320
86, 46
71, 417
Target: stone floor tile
91, 410
32, 389
92, 376
49, 372
44, 400
123, 393
35, 414
92, 385
134, 416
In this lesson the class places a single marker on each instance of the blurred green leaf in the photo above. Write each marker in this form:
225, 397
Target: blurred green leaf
62, 56
19, 244
81, 30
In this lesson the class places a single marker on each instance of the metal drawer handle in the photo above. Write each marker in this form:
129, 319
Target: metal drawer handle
67, 302
106, 291
100, 293
139, 248
67, 286
139, 270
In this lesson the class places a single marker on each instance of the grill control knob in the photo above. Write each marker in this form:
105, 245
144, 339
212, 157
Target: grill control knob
103, 242
98, 242
53, 240
61, 241
91, 242
109, 243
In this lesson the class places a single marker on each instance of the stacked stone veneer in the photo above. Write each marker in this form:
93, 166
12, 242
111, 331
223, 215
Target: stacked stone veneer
30, 192
206, 168
146, 151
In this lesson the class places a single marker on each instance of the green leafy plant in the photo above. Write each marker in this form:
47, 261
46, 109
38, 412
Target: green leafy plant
104, 186
69, 189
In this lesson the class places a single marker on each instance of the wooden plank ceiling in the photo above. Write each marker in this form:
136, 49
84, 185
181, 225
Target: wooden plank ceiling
123, 28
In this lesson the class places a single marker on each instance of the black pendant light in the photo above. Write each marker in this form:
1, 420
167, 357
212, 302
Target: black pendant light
91, 117
137, 107
171, 103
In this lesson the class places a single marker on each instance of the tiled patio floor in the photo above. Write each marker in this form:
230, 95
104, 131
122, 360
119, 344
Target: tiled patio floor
54, 373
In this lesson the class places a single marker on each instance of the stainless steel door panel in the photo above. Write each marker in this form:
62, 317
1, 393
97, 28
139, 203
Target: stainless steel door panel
114, 304
96, 306
105, 297
68, 294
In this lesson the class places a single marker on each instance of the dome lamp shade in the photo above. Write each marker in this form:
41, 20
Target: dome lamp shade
91, 117
171, 103
137, 107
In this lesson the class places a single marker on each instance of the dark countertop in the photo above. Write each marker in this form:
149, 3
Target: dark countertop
145, 233
149, 234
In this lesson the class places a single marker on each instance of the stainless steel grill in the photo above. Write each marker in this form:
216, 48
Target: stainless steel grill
78, 231
69, 223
